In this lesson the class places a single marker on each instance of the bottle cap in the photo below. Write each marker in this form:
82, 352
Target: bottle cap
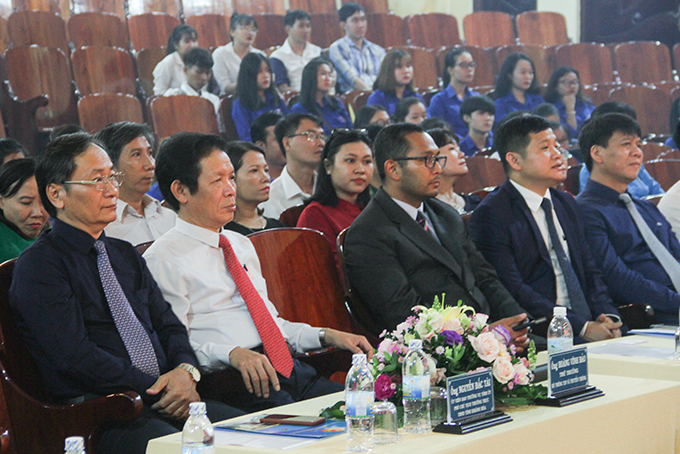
415, 344
196, 408
74, 444
358, 359
560, 310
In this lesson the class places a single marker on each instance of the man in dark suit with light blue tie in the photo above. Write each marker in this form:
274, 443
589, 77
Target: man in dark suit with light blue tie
531, 234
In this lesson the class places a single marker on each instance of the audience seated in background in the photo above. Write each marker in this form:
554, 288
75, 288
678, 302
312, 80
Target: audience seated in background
242, 30
356, 59
255, 94
562, 134
62, 130
459, 71
198, 70
437, 123
478, 112
410, 110
531, 234
407, 247
455, 168
644, 184
251, 176
89, 311
169, 72
342, 182
565, 92
394, 81
371, 115
296, 51
22, 216
212, 279
516, 86
315, 98
10, 149
301, 138
547, 111
262, 135
640, 266
139, 217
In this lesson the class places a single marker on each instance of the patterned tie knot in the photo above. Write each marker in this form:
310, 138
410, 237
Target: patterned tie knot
420, 218
100, 247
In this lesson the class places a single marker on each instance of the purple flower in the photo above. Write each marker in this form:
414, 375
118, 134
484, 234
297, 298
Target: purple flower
383, 387
502, 334
452, 337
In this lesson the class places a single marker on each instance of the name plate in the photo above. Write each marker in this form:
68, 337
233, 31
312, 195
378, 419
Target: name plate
567, 371
469, 395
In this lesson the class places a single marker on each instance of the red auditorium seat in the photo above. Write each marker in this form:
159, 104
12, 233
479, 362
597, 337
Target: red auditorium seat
640, 62
103, 70
270, 30
543, 58
593, 61
386, 29
116, 7
651, 104
147, 59
259, 6
151, 29
99, 110
97, 29
315, 6
542, 28
212, 29
488, 29
199, 7
170, 7
173, 114
433, 30
41, 28
325, 29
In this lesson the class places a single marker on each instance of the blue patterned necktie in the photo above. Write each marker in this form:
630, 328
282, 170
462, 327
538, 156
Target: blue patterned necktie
133, 334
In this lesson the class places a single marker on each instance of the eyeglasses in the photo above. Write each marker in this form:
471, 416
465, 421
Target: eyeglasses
467, 65
100, 183
311, 136
569, 83
428, 160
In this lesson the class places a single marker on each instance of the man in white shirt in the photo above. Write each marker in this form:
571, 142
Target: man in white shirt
189, 265
139, 217
301, 138
289, 60
531, 233
198, 68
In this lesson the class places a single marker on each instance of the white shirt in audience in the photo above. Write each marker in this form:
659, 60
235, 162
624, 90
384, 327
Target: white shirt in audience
284, 193
185, 89
295, 63
168, 73
135, 228
227, 64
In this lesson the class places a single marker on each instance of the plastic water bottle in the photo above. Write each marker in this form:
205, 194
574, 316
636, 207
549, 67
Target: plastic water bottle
74, 445
359, 397
198, 435
416, 389
560, 334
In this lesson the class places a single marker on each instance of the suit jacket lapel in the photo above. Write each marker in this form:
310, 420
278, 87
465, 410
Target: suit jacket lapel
570, 234
519, 203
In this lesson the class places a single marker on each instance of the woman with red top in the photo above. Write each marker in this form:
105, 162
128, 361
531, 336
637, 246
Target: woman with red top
341, 190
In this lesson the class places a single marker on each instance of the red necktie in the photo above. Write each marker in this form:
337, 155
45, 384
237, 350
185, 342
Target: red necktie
274, 344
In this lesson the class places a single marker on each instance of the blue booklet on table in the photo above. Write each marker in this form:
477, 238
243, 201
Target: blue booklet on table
324, 430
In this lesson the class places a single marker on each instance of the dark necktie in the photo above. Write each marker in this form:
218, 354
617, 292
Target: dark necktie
665, 258
134, 336
274, 344
420, 218
577, 299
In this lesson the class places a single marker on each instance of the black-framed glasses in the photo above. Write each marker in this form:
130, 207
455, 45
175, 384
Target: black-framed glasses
311, 136
100, 183
467, 65
428, 160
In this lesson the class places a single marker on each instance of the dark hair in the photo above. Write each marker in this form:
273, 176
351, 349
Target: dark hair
179, 32
555, 125
179, 158
363, 116
614, 107
62, 130
289, 124
10, 146
442, 136
198, 56
435, 122
57, 163
246, 85
512, 115
116, 136
450, 61
295, 15
385, 80
515, 135
258, 129
237, 149
551, 95
504, 78
310, 83
349, 9
14, 174
324, 192
243, 20
477, 103
600, 129
546, 110
372, 132
676, 133
391, 143
403, 107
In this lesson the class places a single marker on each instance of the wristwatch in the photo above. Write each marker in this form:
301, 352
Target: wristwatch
195, 373
322, 338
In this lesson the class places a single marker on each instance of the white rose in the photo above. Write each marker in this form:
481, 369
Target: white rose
480, 321
503, 370
453, 324
522, 374
486, 346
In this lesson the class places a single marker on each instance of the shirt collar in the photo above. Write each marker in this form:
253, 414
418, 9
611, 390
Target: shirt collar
410, 209
353, 44
78, 239
289, 186
603, 191
451, 93
124, 209
177, 59
186, 88
532, 199
207, 236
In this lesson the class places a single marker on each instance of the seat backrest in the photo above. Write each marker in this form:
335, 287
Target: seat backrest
151, 29
669, 154
593, 61
386, 29
302, 279
654, 150
98, 69
212, 29
170, 7
676, 56
325, 29
424, 65
314, 6
433, 30
640, 62
598, 93
483, 172
372, 6
357, 99
173, 114
41, 28
485, 73
61, 7
199, 7
571, 184
147, 59
665, 171
253, 7
116, 7
228, 125
270, 30
98, 110
4, 35
542, 27
97, 29
488, 29
291, 215
651, 104
543, 58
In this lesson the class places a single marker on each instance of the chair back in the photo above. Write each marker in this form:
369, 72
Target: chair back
325, 29
315, 6
200, 7
665, 171
572, 183
228, 125
291, 215
116, 7
639, 62
170, 7
425, 63
483, 172
4, 35
542, 28
270, 30
98, 69
98, 110
386, 29
147, 59
212, 29
433, 30
593, 61
41, 28
488, 29
97, 29
151, 29
543, 58
656, 150
253, 7
651, 104
173, 114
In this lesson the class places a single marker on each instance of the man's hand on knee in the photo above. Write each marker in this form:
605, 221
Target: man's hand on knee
178, 391
256, 370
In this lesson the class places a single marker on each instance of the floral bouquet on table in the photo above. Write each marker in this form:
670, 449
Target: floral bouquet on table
456, 340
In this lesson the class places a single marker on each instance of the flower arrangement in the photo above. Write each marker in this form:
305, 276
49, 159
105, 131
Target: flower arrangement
456, 340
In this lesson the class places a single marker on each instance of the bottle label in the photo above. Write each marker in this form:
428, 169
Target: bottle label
416, 387
559, 344
359, 403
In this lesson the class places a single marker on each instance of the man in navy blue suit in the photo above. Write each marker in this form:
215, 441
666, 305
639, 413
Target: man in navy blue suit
531, 234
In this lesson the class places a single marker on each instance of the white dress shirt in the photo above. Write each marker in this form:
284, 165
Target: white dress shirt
185, 89
190, 270
295, 63
227, 64
135, 228
284, 193
168, 73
